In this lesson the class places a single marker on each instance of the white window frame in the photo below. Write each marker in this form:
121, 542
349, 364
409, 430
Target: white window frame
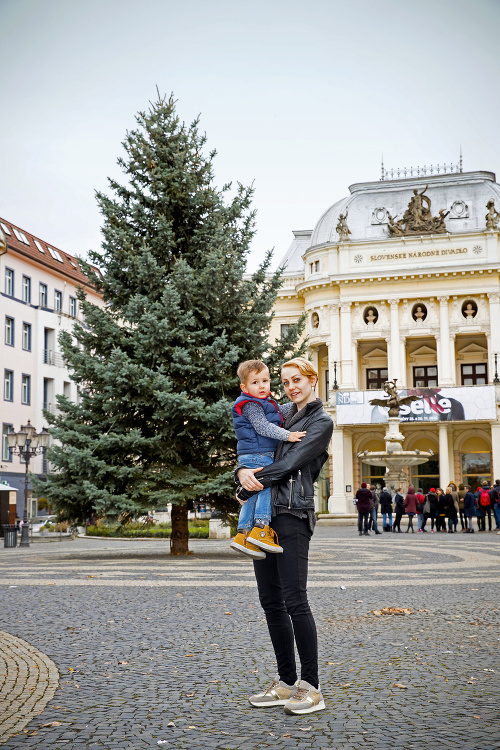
8, 385
26, 337
9, 282
43, 288
58, 300
9, 331
26, 289
72, 307
26, 389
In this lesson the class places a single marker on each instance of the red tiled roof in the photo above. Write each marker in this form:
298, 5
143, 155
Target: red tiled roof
69, 266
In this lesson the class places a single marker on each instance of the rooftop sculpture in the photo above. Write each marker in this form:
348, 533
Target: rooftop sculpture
418, 219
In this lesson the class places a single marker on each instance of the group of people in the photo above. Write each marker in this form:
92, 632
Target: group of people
442, 509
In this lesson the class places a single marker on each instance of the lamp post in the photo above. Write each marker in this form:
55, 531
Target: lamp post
27, 443
496, 379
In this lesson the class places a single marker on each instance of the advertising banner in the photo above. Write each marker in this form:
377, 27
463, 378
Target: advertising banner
433, 405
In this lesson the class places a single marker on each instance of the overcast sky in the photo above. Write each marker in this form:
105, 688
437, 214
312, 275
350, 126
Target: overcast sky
299, 98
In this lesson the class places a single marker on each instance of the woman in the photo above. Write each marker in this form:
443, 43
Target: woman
461, 494
441, 510
399, 509
282, 579
386, 509
411, 507
469, 509
450, 510
430, 508
364, 504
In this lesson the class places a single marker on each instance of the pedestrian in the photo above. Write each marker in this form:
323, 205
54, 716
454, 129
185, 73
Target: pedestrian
420, 509
469, 509
450, 510
461, 494
430, 508
372, 521
484, 504
496, 504
410, 507
399, 509
258, 420
282, 579
440, 510
456, 503
386, 509
364, 503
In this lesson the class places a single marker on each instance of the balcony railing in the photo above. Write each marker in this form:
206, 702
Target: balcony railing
51, 357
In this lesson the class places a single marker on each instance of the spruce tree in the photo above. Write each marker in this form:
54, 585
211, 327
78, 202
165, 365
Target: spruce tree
156, 364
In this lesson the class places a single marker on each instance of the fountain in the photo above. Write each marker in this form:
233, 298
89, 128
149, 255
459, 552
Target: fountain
394, 458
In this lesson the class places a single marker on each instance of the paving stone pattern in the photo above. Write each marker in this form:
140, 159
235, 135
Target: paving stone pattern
28, 681
156, 649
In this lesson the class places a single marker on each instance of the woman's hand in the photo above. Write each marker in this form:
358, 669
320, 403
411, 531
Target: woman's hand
248, 481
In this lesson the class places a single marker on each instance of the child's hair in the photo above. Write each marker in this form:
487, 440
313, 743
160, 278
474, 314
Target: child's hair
303, 365
251, 365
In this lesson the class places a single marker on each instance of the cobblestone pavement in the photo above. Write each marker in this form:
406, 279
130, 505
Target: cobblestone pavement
157, 650
28, 681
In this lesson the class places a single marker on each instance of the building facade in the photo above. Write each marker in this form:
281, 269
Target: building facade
37, 301
401, 280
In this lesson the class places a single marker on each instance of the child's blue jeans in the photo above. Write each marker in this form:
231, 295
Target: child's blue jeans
257, 507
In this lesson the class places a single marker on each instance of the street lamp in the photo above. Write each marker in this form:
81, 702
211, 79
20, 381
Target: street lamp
27, 443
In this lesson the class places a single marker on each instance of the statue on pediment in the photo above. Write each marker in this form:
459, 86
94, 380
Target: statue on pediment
492, 217
342, 228
418, 219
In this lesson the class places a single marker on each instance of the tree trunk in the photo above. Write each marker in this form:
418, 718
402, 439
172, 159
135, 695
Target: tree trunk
180, 533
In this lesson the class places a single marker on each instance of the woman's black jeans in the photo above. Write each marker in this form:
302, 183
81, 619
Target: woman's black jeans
282, 586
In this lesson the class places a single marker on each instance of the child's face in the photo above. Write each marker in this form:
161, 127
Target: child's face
258, 384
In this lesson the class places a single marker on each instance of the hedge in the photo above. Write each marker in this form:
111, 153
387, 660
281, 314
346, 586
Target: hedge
151, 531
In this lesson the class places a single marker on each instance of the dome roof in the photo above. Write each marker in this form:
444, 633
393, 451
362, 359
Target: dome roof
464, 195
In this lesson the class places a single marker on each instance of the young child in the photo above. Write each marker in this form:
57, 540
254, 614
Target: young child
257, 422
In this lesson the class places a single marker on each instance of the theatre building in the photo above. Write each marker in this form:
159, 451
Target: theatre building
400, 279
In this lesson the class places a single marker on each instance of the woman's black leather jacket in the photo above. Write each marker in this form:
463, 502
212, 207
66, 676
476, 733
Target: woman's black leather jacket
299, 464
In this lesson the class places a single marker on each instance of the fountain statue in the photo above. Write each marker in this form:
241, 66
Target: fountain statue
394, 458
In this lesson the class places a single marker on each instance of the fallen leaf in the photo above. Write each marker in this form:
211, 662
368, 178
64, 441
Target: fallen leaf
228, 613
188, 654
475, 715
286, 735
53, 724
191, 727
305, 729
347, 684
392, 611
190, 695
400, 685
123, 662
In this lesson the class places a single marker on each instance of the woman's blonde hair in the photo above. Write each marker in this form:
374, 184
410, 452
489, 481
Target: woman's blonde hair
303, 365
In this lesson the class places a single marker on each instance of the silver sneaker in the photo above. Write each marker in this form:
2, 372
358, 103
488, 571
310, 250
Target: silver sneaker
277, 694
305, 700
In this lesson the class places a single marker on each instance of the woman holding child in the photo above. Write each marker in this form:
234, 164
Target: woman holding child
282, 577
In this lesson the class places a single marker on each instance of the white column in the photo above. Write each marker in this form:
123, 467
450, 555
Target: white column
402, 362
444, 462
313, 351
443, 342
346, 346
495, 450
337, 500
348, 471
494, 339
334, 346
453, 361
394, 364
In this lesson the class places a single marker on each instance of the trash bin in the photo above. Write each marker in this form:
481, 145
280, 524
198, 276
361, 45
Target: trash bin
9, 535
